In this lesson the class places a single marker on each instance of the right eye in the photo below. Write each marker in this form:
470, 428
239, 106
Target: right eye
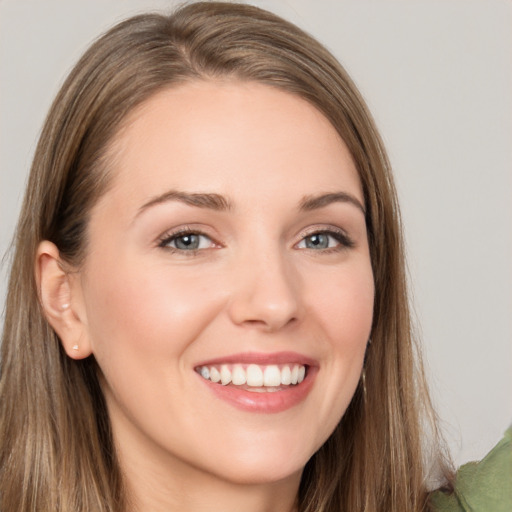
186, 242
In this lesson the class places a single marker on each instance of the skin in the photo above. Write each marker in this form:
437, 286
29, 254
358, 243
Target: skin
150, 314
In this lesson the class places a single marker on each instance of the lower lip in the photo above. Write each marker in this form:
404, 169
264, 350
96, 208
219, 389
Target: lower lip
265, 402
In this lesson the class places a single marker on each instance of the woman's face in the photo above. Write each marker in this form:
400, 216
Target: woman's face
231, 245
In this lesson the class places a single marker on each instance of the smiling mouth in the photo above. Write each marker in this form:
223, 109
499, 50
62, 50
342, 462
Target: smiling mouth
254, 377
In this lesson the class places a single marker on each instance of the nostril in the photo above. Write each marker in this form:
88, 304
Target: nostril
270, 324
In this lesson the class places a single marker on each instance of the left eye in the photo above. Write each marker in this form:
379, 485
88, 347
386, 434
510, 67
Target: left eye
322, 240
187, 242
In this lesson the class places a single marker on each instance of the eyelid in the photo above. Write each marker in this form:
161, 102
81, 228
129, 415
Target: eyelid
174, 233
340, 235
344, 239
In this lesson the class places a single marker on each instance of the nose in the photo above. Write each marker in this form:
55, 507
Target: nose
265, 292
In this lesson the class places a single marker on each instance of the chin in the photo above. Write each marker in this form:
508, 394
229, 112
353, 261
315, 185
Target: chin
263, 474
263, 465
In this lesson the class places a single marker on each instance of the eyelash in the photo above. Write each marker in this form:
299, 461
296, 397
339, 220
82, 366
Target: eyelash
167, 238
344, 241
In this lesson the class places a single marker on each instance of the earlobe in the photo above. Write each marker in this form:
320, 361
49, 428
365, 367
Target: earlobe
58, 298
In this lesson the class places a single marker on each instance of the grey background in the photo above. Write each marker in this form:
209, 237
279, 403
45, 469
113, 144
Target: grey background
437, 77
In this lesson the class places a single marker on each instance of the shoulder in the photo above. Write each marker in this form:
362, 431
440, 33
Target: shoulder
484, 486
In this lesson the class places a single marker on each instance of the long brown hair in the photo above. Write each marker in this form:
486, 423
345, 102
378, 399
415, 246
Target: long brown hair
56, 451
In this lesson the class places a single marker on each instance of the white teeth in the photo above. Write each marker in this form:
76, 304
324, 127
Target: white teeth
214, 374
225, 375
269, 377
238, 377
295, 374
286, 376
254, 375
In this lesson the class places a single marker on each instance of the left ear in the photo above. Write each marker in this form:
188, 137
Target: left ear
59, 297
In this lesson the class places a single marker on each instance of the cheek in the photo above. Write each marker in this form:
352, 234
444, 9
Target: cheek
149, 310
345, 305
344, 311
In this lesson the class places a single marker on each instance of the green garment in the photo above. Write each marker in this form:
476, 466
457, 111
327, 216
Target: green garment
484, 486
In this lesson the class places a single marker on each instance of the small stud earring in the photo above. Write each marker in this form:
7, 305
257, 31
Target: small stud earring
75, 347
65, 306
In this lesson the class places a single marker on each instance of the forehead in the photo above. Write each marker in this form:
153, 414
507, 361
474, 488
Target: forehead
234, 138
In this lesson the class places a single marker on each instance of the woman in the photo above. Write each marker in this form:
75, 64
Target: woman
218, 316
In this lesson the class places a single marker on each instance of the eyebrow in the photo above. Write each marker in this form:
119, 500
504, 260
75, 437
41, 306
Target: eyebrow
199, 200
218, 202
309, 203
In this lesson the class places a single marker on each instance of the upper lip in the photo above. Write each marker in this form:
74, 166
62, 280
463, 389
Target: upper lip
262, 359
